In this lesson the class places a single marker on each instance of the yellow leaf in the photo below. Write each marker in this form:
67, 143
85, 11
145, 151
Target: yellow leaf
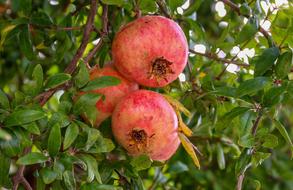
186, 131
4, 33
182, 126
41, 46
177, 105
188, 146
202, 74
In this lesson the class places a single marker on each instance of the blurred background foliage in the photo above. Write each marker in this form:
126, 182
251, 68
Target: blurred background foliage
237, 85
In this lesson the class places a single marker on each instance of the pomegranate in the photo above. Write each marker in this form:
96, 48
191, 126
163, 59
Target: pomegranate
145, 123
151, 50
112, 94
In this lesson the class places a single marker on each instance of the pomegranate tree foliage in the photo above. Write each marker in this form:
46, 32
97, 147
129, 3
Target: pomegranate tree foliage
240, 103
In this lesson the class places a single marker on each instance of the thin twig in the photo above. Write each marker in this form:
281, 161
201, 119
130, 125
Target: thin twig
86, 35
216, 58
255, 124
19, 178
233, 58
163, 8
104, 32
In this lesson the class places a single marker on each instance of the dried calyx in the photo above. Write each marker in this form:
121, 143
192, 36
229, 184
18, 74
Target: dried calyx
160, 68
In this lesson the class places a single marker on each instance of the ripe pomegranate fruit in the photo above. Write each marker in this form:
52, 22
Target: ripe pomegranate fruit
151, 50
112, 94
145, 123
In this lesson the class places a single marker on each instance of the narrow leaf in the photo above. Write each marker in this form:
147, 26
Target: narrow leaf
32, 158
187, 145
83, 76
54, 141
101, 82
4, 102
177, 105
141, 162
70, 135
57, 79
252, 85
266, 60
92, 168
38, 76
23, 116
25, 42
285, 134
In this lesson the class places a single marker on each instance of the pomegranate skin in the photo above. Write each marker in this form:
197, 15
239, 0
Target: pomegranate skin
151, 51
112, 94
145, 123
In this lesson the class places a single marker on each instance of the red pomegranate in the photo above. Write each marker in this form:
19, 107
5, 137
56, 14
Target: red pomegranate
112, 94
151, 50
145, 123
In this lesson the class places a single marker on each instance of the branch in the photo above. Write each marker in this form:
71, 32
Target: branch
86, 35
163, 8
216, 58
235, 8
103, 34
44, 97
19, 178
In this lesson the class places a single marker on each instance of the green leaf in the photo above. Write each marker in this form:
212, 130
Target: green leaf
259, 157
174, 4
25, 43
177, 167
38, 77
113, 2
92, 168
245, 9
32, 127
225, 91
283, 65
270, 141
265, 61
221, 157
192, 8
141, 162
96, 186
248, 31
48, 175
54, 141
234, 113
102, 145
23, 116
4, 102
285, 134
22, 6
101, 82
69, 180
32, 158
70, 135
83, 76
41, 18
4, 172
147, 6
252, 85
273, 96
93, 136
57, 79
282, 20
85, 101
